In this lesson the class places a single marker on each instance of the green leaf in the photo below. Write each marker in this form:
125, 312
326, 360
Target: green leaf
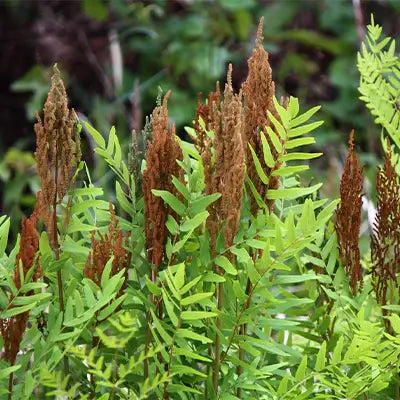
171, 200
189, 354
283, 171
226, 265
163, 333
105, 276
301, 370
299, 156
301, 130
293, 107
201, 203
283, 385
275, 140
11, 312
97, 137
189, 334
194, 222
196, 298
189, 285
194, 315
293, 143
292, 193
259, 169
5, 372
179, 278
185, 370
35, 298
395, 323
304, 117
280, 129
320, 362
170, 310
268, 158
337, 353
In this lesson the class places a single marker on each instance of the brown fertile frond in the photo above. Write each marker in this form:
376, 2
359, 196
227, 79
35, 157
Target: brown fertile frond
348, 217
258, 94
28, 247
225, 171
110, 244
12, 329
56, 150
385, 243
206, 113
161, 165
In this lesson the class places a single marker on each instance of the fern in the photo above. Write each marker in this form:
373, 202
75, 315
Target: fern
379, 68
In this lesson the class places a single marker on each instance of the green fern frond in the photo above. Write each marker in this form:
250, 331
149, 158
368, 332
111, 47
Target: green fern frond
379, 68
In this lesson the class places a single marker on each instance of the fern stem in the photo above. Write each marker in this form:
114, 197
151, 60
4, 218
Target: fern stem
243, 328
10, 385
218, 340
57, 256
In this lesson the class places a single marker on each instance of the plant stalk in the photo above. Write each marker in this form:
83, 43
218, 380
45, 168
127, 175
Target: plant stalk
218, 339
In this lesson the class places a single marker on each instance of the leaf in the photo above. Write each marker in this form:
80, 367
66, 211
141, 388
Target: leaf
163, 333
226, 265
194, 222
292, 193
293, 143
11, 312
171, 200
185, 370
97, 137
194, 315
268, 158
5, 372
304, 117
186, 333
301, 130
301, 370
299, 156
105, 276
189, 354
196, 298
201, 203
320, 362
283, 385
337, 353
289, 170
395, 323
258, 166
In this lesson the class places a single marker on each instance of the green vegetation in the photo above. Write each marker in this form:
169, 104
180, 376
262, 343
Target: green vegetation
220, 272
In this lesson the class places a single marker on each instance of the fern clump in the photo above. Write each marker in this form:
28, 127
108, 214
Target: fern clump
216, 272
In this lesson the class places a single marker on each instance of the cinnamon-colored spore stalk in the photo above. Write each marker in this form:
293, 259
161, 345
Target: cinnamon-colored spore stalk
56, 152
348, 217
385, 243
161, 164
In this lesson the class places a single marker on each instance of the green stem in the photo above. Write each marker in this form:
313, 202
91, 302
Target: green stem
218, 339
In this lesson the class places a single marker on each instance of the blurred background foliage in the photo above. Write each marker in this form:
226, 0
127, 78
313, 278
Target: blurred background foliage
115, 55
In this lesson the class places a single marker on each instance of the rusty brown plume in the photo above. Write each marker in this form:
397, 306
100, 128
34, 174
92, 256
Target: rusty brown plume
348, 217
12, 329
56, 151
161, 156
225, 170
258, 94
385, 243
110, 244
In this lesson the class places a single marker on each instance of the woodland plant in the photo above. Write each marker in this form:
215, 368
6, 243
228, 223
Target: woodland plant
219, 272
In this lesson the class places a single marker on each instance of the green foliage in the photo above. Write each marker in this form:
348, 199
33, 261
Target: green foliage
379, 68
